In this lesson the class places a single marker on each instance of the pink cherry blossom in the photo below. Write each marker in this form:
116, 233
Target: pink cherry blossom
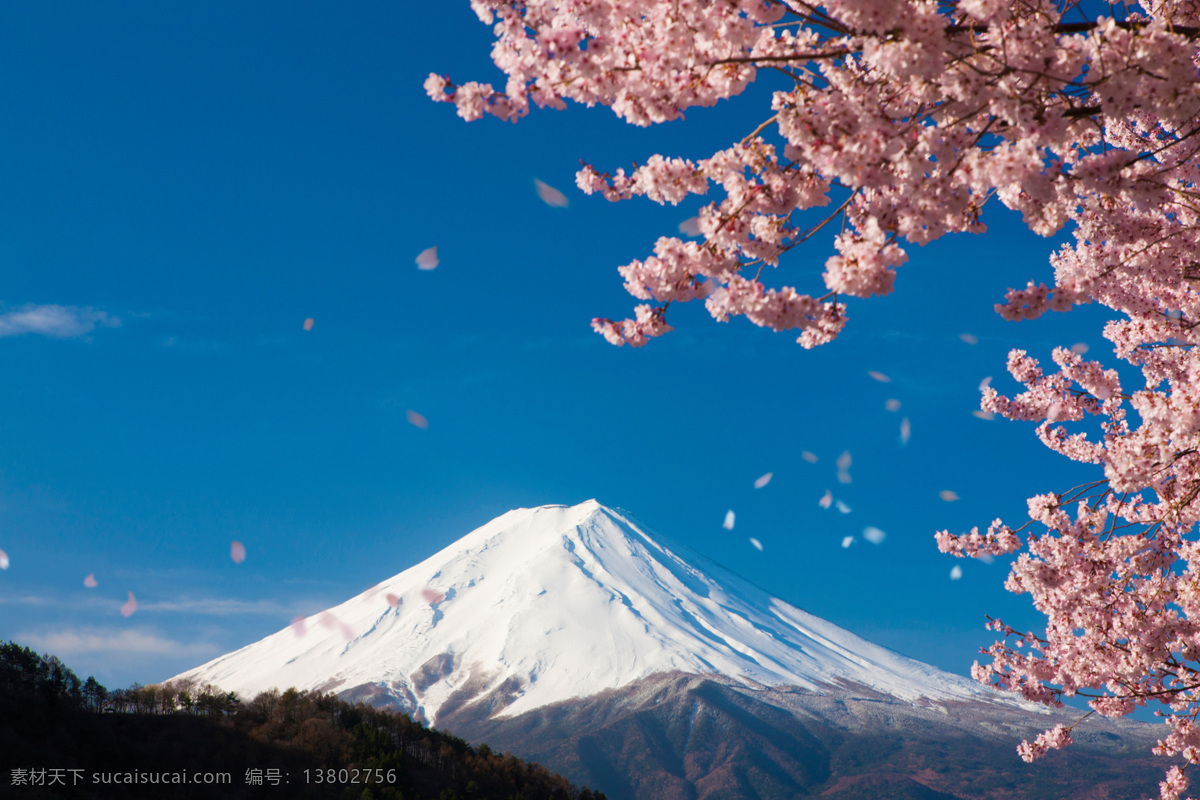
879, 376
905, 430
826, 499
809, 457
3, 560
549, 195
416, 420
129, 606
298, 626
948, 495
308, 323
90, 581
969, 338
393, 600
892, 405
237, 552
433, 596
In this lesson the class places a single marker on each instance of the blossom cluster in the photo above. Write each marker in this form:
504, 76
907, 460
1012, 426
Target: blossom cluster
897, 122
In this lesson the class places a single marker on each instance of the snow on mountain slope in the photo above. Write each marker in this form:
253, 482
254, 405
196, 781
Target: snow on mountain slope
552, 603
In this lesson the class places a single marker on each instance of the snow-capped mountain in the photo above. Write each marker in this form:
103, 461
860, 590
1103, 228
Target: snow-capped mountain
547, 604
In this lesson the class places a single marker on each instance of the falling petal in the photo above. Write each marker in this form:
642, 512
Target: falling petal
826, 499
416, 419
847, 541
986, 558
728, 523
550, 196
843, 476
433, 596
334, 624
968, 338
130, 606
690, 226
308, 323
873, 535
842, 507
757, 544
905, 430
90, 581
983, 414
1079, 348
237, 551
892, 405
763, 481
298, 626
393, 600
879, 376
985, 383
947, 495
809, 457
428, 258
955, 572
3, 560
843, 461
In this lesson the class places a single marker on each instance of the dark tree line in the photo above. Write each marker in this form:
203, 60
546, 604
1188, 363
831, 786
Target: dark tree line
50, 718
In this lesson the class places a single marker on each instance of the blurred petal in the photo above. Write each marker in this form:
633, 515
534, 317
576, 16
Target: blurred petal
847, 541
416, 419
905, 430
955, 572
130, 606
983, 414
842, 507
757, 544
763, 481
428, 258
393, 600
843, 476
728, 523
308, 323
298, 626
985, 383
90, 581
690, 226
873, 535
1079, 348
334, 624
843, 461
237, 551
433, 596
826, 499
968, 338
947, 495
879, 376
550, 196
3, 560
809, 457
892, 405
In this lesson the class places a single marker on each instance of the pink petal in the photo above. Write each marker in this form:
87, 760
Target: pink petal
690, 226
756, 543
728, 523
3, 560
905, 430
550, 196
763, 481
129, 607
428, 258
308, 323
879, 376
843, 461
417, 419
90, 581
809, 457
433, 596
847, 541
873, 535
955, 572
237, 551
985, 383
947, 495
984, 414
968, 338
393, 600
826, 499
892, 405
334, 624
1079, 348
842, 507
298, 626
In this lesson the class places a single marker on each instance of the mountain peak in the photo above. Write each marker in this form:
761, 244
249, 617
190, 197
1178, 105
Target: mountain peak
551, 603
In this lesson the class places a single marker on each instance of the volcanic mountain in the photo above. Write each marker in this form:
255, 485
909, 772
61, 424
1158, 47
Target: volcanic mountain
546, 604
574, 637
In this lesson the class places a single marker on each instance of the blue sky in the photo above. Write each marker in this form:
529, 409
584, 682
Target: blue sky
188, 184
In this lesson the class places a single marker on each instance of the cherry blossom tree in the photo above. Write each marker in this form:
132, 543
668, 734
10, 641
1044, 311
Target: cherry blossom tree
901, 120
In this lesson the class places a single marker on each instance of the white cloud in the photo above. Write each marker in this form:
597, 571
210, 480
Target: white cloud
59, 322
216, 606
67, 643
